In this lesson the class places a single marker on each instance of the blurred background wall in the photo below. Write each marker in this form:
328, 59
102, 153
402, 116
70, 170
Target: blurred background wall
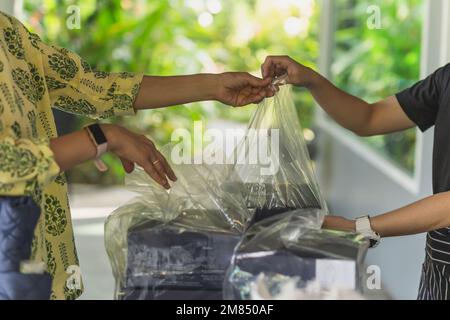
371, 48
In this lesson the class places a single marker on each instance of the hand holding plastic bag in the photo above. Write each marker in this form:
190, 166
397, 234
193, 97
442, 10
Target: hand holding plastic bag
272, 164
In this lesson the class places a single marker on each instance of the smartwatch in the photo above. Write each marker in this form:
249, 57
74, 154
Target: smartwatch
363, 227
100, 142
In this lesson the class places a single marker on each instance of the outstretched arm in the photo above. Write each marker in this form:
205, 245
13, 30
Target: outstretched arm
426, 215
352, 113
232, 88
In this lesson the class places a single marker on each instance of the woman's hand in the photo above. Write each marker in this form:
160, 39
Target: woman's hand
338, 223
232, 88
239, 88
298, 74
133, 149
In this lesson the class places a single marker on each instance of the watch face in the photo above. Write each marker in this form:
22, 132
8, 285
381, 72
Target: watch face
98, 134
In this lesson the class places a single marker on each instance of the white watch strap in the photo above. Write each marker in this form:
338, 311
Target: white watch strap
363, 225
101, 166
102, 149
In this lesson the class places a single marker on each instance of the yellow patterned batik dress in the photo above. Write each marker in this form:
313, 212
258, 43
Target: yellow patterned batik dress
34, 77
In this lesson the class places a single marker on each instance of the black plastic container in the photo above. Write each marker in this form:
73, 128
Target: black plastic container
269, 200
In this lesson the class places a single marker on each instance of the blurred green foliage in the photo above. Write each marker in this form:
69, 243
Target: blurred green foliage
170, 37
375, 63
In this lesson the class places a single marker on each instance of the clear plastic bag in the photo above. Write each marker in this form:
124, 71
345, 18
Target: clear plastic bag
272, 165
175, 244
277, 287
292, 246
179, 244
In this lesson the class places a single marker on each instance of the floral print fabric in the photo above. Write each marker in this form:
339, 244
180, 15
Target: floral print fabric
33, 78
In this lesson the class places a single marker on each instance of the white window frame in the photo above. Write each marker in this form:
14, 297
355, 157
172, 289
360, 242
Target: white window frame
435, 52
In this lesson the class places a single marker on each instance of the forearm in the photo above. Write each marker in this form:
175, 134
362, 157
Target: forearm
72, 149
426, 215
349, 111
352, 113
158, 92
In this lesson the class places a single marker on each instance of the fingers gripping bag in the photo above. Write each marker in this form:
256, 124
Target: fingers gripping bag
272, 167
175, 244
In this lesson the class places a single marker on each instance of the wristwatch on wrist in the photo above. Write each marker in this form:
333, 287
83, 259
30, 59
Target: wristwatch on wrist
363, 227
100, 142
